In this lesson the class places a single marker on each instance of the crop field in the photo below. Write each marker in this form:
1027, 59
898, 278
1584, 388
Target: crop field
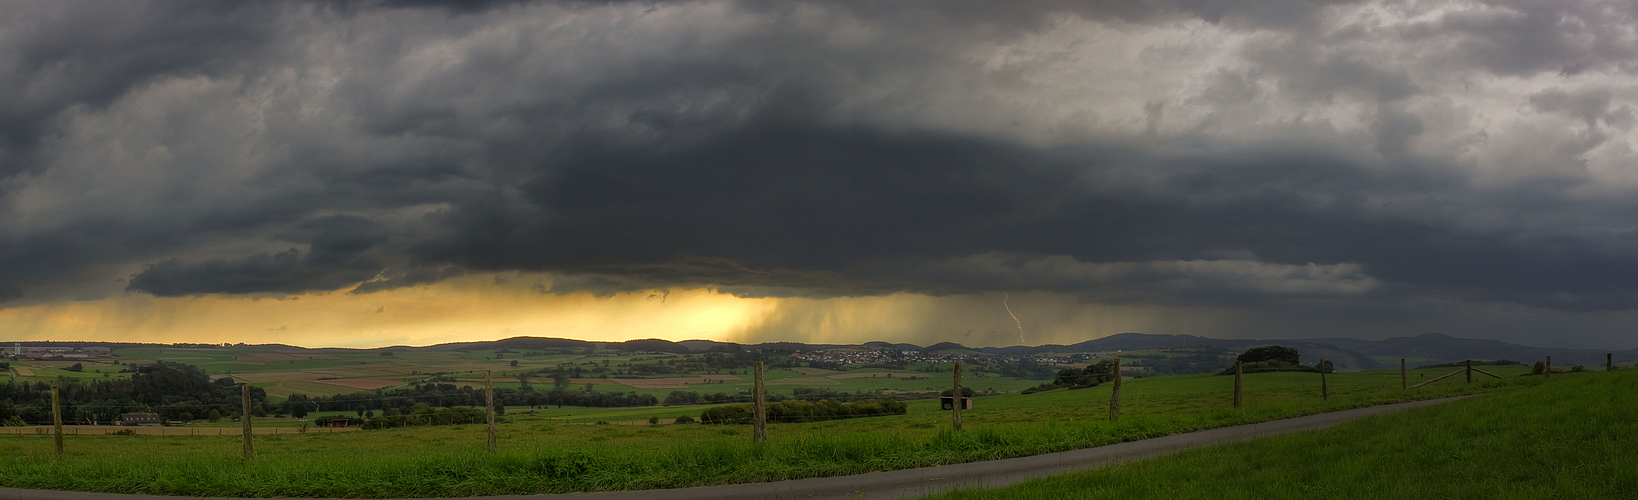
1572, 438
285, 371
587, 449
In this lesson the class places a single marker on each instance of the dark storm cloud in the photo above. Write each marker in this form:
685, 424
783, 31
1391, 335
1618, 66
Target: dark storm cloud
336, 260
63, 55
829, 149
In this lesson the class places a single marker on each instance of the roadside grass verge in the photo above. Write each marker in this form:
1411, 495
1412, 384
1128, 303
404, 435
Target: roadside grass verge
1574, 437
542, 455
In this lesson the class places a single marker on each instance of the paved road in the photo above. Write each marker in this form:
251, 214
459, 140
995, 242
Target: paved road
914, 483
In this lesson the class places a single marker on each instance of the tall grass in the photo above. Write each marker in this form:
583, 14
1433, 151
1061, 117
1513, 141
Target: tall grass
1574, 436
541, 456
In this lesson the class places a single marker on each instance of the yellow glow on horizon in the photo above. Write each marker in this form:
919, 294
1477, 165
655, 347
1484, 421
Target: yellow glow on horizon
471, 308
491, 307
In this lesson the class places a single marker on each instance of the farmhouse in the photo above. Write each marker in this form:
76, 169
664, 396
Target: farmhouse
143, 419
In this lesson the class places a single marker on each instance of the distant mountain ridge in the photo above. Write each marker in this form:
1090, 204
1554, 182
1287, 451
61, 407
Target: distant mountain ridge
1348, 354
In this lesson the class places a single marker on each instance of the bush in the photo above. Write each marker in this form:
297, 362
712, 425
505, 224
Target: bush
804, 411
1281, 354
685, 419
1073, 378
428, 416
1269, 366
653, 420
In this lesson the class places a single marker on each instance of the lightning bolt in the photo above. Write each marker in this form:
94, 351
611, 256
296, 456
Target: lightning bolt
1004, 299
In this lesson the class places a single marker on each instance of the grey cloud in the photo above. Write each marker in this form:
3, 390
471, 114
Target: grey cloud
1518, 38
63, 55
1587, 105
336, 259
408, 275
286, 272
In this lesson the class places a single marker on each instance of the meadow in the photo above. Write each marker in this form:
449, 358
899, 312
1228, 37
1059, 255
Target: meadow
1571, 438
569, 450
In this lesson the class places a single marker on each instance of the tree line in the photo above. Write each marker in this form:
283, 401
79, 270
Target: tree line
175, 391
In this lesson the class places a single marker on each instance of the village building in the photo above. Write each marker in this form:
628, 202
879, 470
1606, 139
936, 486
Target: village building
142, 419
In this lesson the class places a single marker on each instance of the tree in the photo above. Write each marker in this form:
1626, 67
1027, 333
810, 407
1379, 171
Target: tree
360, 409
76, 368
186, 417
297, 406
514, 362
1326, 367
369, 413
215, 415
682, 398
1280, 354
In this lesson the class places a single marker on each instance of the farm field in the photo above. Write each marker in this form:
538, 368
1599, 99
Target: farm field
1571, 438
567, 450
286, 371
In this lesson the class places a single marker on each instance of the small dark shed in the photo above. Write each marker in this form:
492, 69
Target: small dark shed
948, 403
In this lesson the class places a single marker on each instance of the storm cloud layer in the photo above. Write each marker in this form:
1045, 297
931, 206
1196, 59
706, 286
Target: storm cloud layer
1363, 156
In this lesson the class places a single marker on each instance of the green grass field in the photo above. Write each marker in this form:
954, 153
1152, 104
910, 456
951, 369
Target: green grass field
1571, 437
565, 450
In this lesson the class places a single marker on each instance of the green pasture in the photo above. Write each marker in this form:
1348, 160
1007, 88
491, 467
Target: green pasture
567, 450
1571, 437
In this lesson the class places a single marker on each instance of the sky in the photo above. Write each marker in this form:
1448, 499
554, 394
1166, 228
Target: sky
388, 172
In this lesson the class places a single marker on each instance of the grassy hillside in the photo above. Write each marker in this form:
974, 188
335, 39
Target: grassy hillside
1574, 437
565, 450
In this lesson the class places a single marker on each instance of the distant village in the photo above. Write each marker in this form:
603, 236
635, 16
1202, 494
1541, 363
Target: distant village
66, 352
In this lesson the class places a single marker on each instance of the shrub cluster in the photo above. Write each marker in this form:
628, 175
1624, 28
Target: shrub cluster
1078, 378
429, 416
803, 411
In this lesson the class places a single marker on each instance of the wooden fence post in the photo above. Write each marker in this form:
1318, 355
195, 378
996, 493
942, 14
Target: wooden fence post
489, 403
1549, 372
1325, 392
244, 417
1237, 383
1609, 361
956, 399
1114, 396
1404, 377
759, 405
1470, 371
57, 420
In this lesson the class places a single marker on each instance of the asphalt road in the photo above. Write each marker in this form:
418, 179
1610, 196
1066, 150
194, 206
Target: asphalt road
913, 483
